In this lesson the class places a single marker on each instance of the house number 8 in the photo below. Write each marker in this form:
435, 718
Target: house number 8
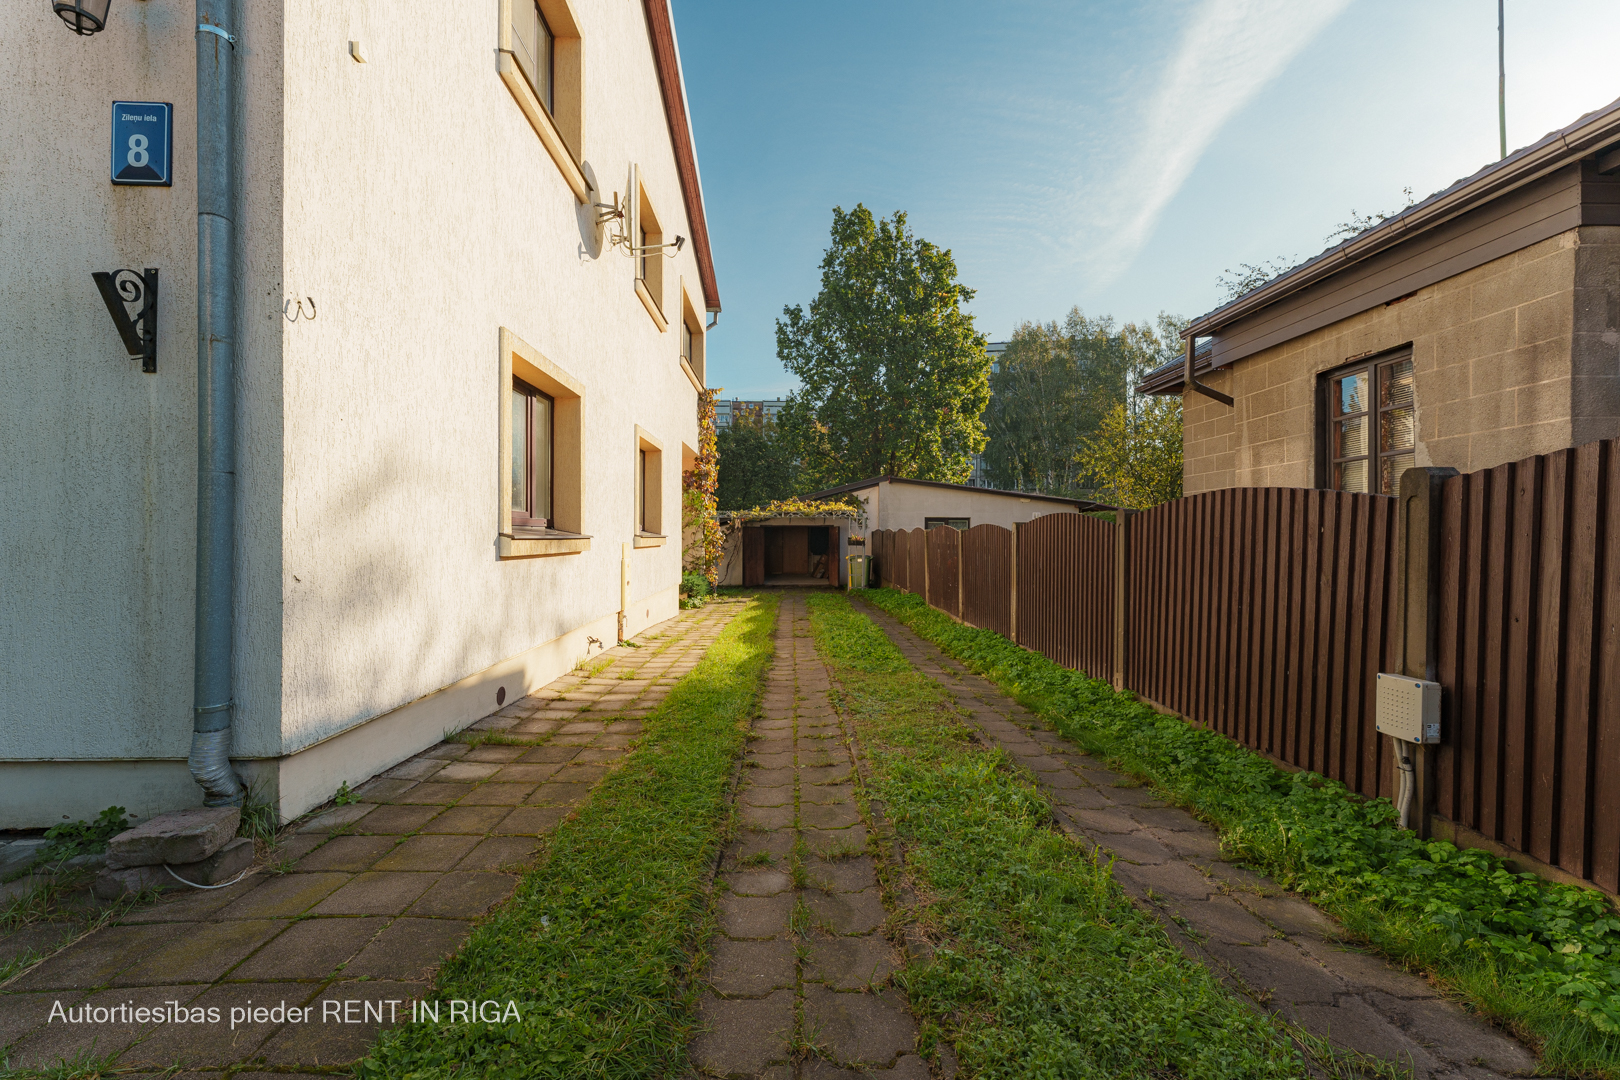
137, 155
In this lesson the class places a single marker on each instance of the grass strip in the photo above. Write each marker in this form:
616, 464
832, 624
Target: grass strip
1539, 957
595, 947
1044, 968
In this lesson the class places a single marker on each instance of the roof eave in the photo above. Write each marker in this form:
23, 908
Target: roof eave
672, 86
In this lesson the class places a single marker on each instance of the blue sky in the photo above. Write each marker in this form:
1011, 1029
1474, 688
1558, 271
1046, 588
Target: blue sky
1118, 156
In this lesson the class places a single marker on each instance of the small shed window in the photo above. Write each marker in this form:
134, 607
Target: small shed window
956, 523
1371, 425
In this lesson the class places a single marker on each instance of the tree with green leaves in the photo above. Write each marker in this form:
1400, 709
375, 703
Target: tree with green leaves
1134, 459
1056, 386
756, 464
893, 377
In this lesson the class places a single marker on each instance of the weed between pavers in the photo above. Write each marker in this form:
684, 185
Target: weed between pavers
1537, 957
1043, 966
597, 944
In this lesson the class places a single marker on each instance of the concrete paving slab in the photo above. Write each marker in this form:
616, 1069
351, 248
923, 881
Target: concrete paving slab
201, 955
377, 893
410, 949
740, 1037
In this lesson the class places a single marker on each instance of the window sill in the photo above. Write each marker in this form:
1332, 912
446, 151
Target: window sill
650, 540
543, 126
697, 383
529, 543
652, 308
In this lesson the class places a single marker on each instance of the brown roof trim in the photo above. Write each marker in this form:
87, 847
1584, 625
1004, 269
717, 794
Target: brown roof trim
667, 59
1553, 151
862, 485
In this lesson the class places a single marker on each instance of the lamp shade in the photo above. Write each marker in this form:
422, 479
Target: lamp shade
83, 16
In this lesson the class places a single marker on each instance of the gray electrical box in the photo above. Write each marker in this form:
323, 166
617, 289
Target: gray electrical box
1409, 708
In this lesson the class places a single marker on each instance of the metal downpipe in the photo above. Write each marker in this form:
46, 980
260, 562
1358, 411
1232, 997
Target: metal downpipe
216, 404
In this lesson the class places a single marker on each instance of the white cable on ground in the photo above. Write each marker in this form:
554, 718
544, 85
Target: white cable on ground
194, 885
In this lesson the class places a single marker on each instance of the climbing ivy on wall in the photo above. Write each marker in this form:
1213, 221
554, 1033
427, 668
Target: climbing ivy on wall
700, 529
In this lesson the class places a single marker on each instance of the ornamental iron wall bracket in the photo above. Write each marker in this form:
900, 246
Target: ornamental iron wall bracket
140, 331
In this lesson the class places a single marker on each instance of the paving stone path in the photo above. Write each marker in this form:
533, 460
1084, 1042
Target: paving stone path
798, 985
358, 903
1276, 948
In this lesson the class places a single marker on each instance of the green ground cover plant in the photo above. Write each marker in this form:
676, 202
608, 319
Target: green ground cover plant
597, 944
1043, 967
1540, 957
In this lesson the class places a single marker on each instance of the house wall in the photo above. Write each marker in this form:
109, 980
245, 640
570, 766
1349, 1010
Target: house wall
97, 541
412, 200
392, 588
906, 506
1502, 370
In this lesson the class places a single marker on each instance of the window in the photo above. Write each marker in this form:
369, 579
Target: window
542, 454
1371, 418
647, 233
691, 340
541, 59
535, 47
962, 524
532, 413
649, 490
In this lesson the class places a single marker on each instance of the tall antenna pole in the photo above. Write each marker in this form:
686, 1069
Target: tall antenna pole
1501, 75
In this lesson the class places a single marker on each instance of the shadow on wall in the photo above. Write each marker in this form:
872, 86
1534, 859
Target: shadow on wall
382, 607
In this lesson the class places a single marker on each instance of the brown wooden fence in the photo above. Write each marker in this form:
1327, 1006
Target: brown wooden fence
1066, 591
1529, 654
1267, 614
987, 577
944, 554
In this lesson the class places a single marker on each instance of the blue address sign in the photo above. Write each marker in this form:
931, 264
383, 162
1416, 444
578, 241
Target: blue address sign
142, 142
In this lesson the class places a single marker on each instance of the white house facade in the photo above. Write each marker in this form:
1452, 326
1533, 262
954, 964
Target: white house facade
462, 410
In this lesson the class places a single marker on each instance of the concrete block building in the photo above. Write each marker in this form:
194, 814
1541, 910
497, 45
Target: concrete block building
1480, 326
471, 283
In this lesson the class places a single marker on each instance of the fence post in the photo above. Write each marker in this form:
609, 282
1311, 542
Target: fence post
926, 561
1122, 572
1012, 604
1418, 579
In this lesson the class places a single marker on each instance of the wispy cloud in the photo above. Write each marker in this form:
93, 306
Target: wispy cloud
1228, 52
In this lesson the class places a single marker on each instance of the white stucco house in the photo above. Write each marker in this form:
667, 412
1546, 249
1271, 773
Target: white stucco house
895, 502
463, 392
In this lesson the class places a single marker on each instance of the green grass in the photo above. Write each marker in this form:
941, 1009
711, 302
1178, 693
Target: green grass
1043, 967
597, 945
1540, 958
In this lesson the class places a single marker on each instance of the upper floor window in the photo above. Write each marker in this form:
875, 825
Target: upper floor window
535, 47
1371, 418
541, 60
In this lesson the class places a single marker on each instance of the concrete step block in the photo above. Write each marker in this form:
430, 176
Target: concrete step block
220, 867
184, 836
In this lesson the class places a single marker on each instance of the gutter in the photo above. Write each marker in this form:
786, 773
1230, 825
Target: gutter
1552, 152
672, 86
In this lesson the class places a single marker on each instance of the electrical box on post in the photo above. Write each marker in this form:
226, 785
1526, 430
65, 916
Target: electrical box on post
1408, 708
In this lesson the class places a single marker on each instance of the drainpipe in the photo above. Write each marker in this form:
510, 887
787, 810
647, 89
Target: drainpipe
1194, 384
216, 405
